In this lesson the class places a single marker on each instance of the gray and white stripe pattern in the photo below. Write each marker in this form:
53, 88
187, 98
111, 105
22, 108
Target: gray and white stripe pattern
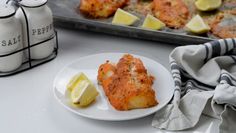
201, 73
213, 49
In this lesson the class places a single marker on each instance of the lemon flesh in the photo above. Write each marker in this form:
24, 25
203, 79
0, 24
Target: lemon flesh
197, 25
83, 92
153, 23
124, 18
208, 5
75, 80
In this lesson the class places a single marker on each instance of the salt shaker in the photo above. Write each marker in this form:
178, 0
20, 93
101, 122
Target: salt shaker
10, 39
40, 24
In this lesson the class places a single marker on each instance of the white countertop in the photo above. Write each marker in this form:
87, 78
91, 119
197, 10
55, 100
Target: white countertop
27, 104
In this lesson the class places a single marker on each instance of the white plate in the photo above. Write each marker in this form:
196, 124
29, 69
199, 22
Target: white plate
101, 109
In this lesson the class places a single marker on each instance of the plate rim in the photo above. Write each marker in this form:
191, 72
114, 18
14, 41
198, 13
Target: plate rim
106, 119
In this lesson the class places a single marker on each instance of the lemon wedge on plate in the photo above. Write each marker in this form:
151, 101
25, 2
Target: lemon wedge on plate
83, 92
124, 18
153, 23
208, 5
197, 25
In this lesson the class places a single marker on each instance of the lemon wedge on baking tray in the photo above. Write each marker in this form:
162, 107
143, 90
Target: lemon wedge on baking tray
153, 23
208, 5
197, 25
83, 92
122, 17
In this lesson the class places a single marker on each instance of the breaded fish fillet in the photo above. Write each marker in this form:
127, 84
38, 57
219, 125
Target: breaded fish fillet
100, 8
140, 7
224, 24
174, 13
127, 85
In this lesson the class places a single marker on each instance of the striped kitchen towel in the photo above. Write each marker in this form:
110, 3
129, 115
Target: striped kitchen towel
202, 74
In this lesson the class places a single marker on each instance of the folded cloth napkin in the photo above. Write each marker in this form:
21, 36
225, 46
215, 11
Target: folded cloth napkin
202, 74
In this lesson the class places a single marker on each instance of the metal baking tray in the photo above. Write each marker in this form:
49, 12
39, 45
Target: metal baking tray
65, 16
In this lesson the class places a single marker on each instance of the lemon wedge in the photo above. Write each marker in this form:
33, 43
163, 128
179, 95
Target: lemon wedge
75, 80
124, 18
197, 25
83, 92
153, 23
208, 5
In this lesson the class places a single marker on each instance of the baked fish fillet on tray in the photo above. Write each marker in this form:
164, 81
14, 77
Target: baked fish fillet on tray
174, 13
127, 84
224, 25
100, 8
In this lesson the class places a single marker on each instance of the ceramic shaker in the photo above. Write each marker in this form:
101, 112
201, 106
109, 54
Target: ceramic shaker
10, 39
40, 24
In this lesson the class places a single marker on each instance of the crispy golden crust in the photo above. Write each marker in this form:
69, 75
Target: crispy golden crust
140, 7
129, 87
221, 30
174, 13
100, 8
105, 73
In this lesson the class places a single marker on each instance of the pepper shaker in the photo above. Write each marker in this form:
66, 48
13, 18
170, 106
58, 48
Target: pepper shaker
10, 39
40, 27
